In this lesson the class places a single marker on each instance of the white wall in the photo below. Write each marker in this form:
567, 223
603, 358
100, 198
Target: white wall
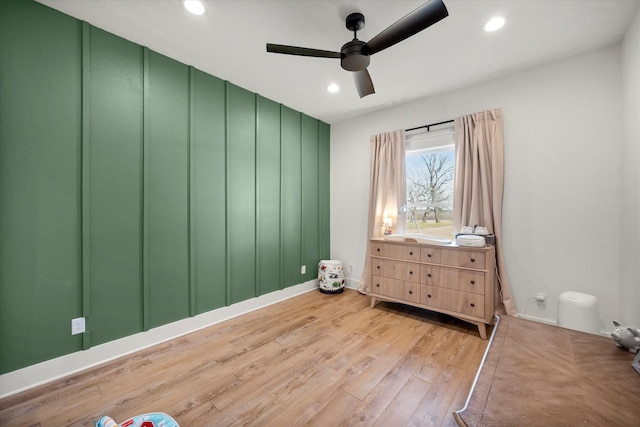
630, 175
562, 176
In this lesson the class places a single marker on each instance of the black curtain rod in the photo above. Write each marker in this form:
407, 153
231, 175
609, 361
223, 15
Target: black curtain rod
428, 126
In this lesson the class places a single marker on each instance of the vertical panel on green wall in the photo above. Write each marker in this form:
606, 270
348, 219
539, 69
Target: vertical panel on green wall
291, 213
310, 198
324, 184
208, 188
268, 195
113, 186
241, 193
40, 170
167, 187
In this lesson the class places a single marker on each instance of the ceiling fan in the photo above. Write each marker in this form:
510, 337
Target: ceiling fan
354, 55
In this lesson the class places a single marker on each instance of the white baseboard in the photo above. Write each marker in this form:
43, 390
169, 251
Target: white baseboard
44, 372
554, 323
537, 319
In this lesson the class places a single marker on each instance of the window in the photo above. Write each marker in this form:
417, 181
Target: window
430, 166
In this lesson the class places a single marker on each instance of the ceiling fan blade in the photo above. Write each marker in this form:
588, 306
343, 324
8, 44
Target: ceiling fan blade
302, 51
416, 21
363, 82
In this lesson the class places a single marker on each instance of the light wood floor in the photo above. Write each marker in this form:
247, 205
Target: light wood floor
320, 360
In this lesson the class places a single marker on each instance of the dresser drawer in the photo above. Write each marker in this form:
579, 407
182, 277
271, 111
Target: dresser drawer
388, 250
470, 259
453, 257
432, 296
464, 302
431, 255
430, 275
401, 270
377, 266
412, 292
387, 287
461, 280
394, 288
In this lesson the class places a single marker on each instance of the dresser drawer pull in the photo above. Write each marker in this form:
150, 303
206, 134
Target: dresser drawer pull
411, 272
411, 253
473, 282
429, 255
473, 260
378, 249
428, 295
410, 292
472, 305
378, 267
428, 274
377, 285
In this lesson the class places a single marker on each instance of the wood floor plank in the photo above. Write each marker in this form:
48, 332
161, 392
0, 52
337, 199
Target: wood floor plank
315, 359
434, 408
337, 411
401, 408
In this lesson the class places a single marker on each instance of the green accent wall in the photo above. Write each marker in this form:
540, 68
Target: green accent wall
112, 187
241, 193
208, 189
291, 203
167, 190
136, 190
40, 183
268, 197
324, 163
310, 197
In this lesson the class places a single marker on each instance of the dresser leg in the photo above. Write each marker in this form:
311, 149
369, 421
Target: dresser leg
373, 301
482, 328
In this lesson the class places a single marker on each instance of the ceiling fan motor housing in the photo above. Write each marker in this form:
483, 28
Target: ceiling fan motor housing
355, 55
353, 58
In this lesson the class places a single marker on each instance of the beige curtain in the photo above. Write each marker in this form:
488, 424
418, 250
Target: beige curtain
479, 184
387, 192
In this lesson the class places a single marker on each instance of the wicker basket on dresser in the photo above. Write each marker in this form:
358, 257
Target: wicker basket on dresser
459, 281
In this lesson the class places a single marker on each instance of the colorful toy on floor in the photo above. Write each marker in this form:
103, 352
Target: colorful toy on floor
626, 337
152, 419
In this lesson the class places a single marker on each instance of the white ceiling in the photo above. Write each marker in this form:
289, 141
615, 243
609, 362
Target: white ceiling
228, 41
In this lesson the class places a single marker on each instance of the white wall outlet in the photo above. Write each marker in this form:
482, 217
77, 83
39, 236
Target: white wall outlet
303, 269
541, 298
77, 325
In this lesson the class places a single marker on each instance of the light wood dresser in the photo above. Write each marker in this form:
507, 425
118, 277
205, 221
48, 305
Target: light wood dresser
459, 281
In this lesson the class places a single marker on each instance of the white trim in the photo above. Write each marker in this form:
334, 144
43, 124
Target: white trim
555, 323
50, 370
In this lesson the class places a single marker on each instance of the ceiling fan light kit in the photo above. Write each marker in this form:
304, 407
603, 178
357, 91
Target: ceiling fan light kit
355, 55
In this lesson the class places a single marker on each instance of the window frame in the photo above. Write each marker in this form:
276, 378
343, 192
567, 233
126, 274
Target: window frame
429, 141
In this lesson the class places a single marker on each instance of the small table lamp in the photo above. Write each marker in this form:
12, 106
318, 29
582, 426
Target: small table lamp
386, 226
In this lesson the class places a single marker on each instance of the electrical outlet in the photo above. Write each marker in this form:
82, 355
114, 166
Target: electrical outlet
350, 268
303, 269
77, 325
541, 298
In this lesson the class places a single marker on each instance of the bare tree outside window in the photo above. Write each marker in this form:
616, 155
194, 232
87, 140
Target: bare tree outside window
430, 192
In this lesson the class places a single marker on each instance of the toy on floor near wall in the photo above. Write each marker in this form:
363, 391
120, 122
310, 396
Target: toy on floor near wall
626, 337
152, 419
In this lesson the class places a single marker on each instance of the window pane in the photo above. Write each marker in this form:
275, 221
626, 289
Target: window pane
430, 186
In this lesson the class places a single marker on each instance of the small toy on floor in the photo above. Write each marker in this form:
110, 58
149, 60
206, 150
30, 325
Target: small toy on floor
626, 337
152, 419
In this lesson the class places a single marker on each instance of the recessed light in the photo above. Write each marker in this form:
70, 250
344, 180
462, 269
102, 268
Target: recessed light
193, 6
494, 23
333, 88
